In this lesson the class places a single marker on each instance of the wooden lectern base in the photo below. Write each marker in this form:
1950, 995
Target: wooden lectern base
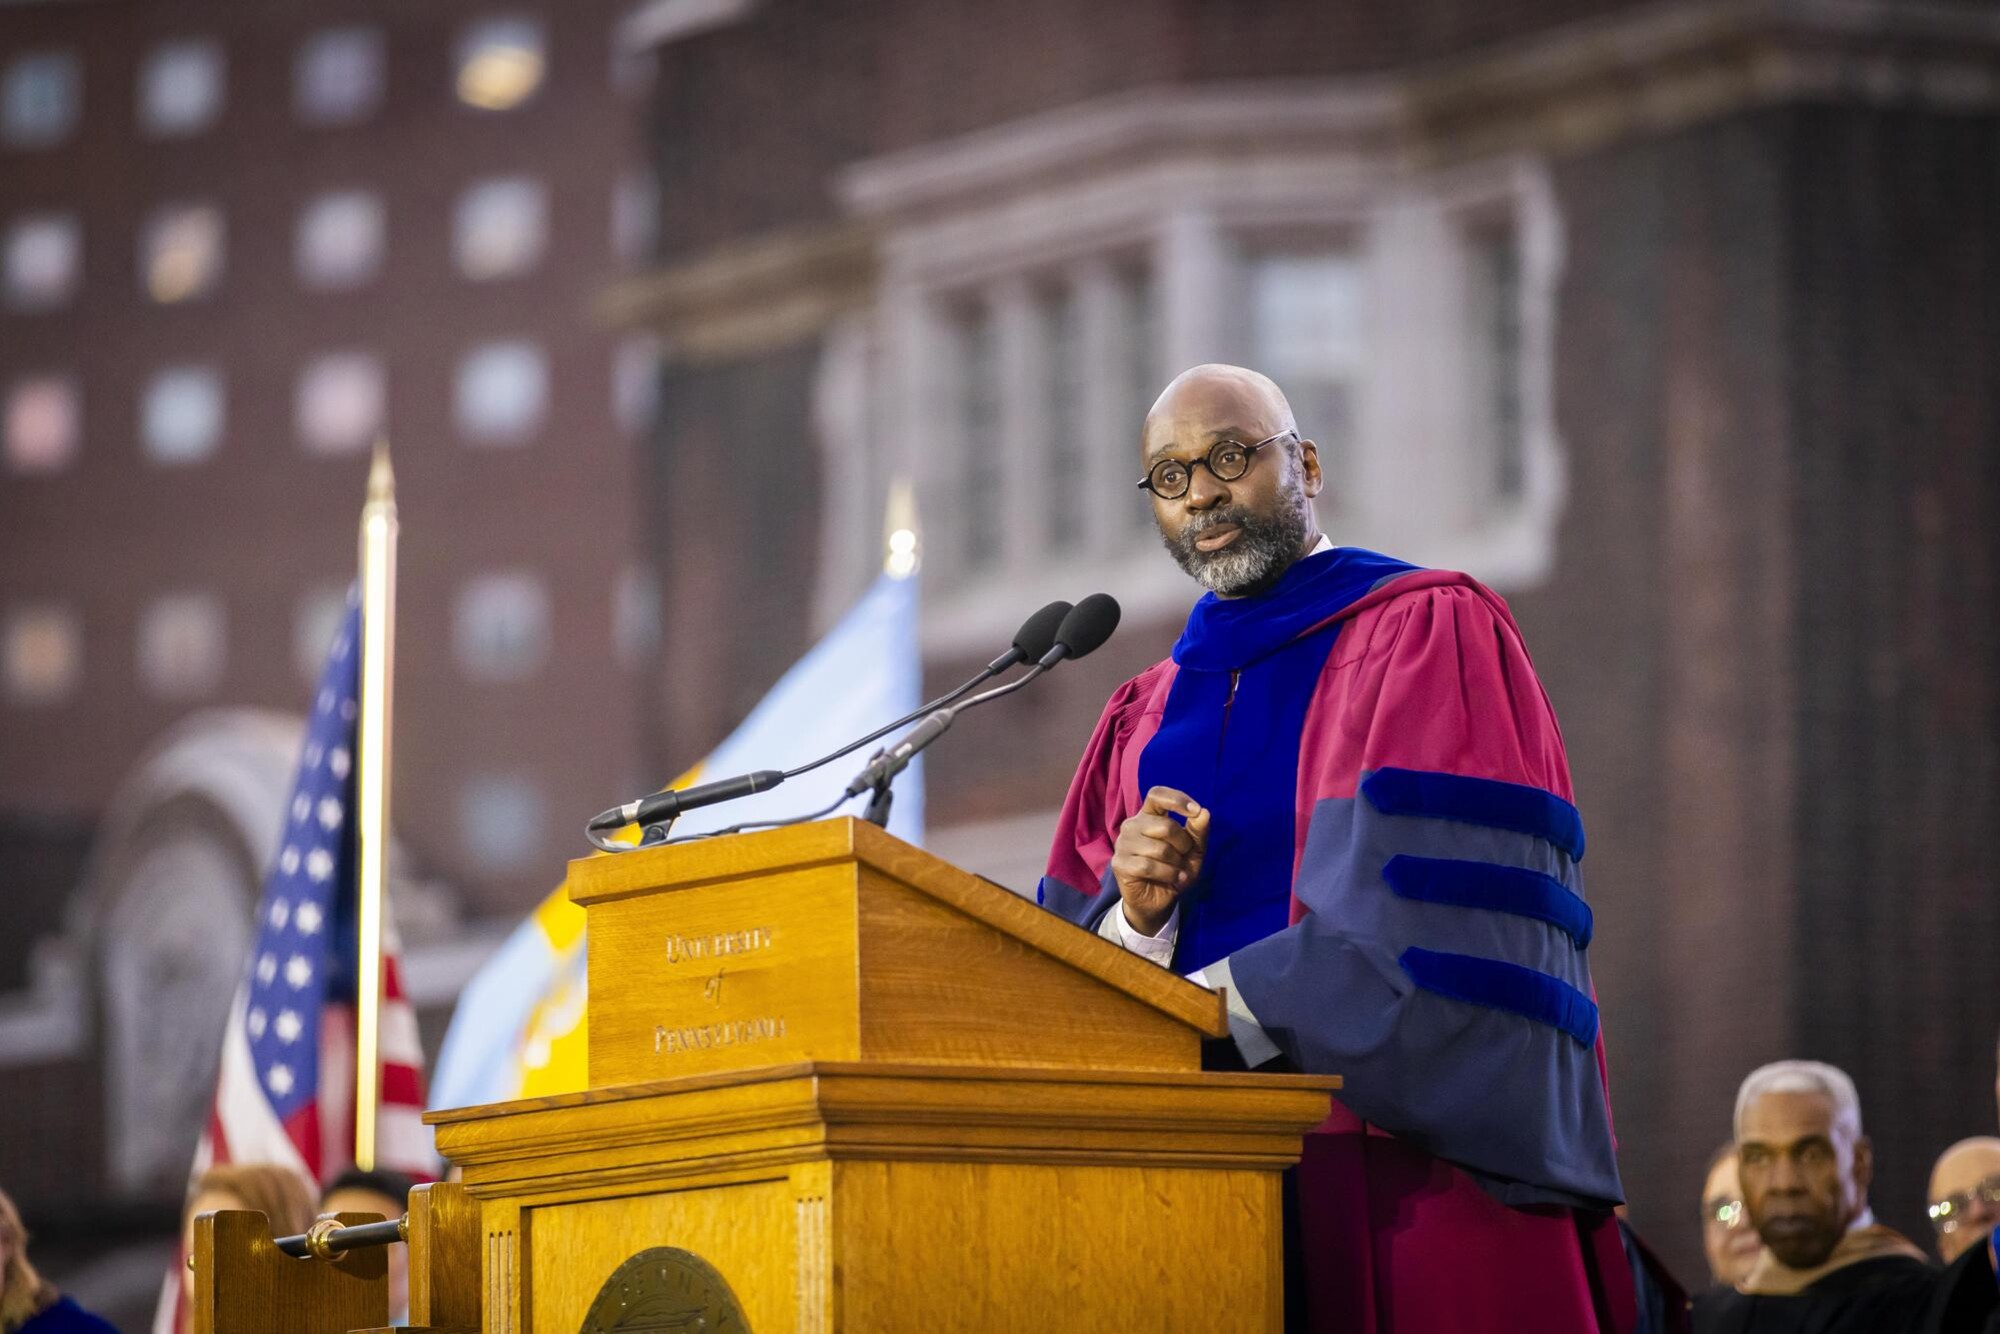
850, 1196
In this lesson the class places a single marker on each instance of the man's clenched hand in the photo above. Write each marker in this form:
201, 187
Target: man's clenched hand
1157, 858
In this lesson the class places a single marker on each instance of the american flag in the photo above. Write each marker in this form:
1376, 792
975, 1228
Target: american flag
285, 1090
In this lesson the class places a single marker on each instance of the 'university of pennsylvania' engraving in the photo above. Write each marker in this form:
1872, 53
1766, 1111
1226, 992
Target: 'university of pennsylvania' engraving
727, 1033
693, 949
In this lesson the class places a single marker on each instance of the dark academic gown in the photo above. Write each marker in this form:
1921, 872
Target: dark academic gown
1890, 1295
1392, 886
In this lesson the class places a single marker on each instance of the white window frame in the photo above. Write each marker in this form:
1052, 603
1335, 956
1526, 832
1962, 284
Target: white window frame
1060, 195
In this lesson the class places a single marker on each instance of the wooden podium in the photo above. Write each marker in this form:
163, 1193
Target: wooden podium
840, 1085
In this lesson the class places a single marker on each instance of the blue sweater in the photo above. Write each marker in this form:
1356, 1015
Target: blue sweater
66, 1317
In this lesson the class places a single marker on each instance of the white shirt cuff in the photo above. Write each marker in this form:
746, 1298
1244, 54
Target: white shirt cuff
1252, 1042
1159, 949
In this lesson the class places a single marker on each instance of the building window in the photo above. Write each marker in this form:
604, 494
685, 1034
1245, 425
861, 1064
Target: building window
41, 654
1495, 348
503, 820
44, 258
976, 417
500, 631
41, 97
1062, 462
180, 252
635, 216
1308, 331
340, 403
182, 418
314, 623
635, 384
502, 391
181, 89
501, 228
42, 424
500, 63
340, 239
635, 617
181, 646
1407, 311
338, 76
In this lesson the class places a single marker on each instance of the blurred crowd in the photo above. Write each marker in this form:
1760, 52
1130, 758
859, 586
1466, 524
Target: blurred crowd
1792, 1243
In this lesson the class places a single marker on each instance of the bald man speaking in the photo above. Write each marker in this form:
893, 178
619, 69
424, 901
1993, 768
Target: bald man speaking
1344, 799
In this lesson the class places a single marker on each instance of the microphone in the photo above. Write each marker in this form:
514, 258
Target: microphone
1036, 636
1082, 632
1035, 640
653, 809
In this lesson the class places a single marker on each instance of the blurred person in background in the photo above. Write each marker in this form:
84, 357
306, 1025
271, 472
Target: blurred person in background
276, 1192
378, 1192
1827, 1266
29, 1304
1965, 1195
1727, 1238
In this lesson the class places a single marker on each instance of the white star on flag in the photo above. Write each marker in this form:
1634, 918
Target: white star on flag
338, 761
325, 701
288, 860
280, 1079
314, 754
319, 865
267, 968
255, 1019
301, 808
329, 813
281, 912
288, 1026
308, 919
298, 971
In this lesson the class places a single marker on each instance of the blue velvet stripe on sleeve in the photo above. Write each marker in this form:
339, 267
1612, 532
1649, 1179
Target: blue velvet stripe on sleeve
1511, 889
1504, 986
1481, 801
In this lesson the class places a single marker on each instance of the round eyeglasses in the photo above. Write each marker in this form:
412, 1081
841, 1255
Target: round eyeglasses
1227, 461
1724, 1213
1955, 1211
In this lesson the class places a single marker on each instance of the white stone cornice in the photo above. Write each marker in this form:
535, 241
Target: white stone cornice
655, 23
1569, 88
1119, 129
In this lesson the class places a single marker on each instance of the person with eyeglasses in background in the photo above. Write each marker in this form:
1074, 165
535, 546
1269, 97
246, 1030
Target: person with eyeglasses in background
1827, 1266
1965, 1195
1727, 1238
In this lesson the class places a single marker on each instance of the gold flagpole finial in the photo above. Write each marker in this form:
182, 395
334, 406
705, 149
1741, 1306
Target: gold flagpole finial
899, 528
381, 477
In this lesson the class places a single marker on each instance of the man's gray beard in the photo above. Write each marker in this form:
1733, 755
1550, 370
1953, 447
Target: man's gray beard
1264, 551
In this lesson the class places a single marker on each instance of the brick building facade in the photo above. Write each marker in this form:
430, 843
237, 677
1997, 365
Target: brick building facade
237, 242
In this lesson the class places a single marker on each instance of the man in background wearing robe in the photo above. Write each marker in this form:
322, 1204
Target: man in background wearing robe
1344, 799
1827, 1266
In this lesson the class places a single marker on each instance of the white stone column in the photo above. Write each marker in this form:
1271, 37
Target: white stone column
1194, 270
1107, 434
1023, 413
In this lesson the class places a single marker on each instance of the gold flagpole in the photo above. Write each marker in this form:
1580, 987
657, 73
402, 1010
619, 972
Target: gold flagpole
378, 661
